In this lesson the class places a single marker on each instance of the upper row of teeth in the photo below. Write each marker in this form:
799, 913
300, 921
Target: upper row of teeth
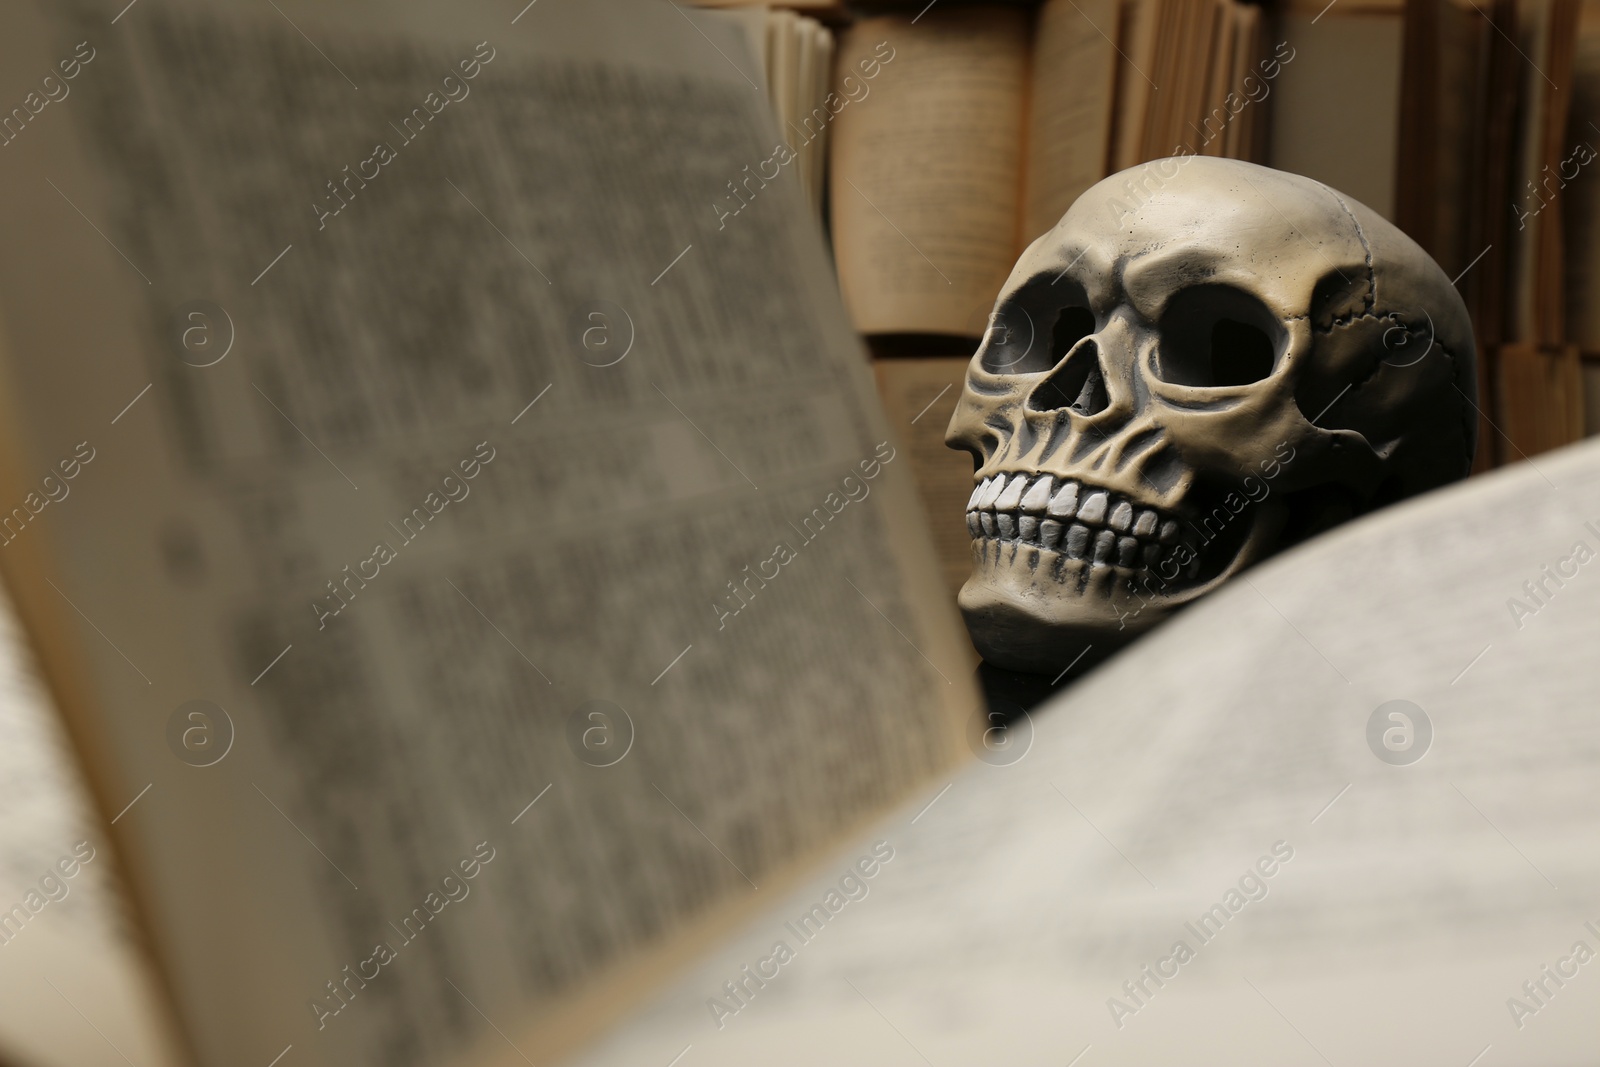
1066, 499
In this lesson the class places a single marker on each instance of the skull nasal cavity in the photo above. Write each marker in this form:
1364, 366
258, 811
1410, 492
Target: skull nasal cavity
1077, 384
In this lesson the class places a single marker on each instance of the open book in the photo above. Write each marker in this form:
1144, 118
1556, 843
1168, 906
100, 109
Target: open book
968, 132
1340, 812
467, 567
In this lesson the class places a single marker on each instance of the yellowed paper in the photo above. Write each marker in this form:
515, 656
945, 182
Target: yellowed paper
926, 179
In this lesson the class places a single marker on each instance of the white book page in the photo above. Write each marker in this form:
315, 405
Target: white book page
1214, 785
524, 524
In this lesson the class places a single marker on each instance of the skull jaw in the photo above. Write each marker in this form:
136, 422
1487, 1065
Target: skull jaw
1022, 617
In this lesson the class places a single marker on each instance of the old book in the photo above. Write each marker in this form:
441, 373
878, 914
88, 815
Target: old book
1315, 126
926, 177
1338, 812
829, 8
1539, 391
1485, 286
1539, 398
464, 547
1442, 124
986, 124
1418, 72
978, 134
1138, 39
795, 56
1580, 197
919, 396
1546, 32
1581, 210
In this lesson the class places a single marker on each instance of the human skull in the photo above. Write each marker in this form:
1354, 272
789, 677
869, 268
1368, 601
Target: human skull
1203, 362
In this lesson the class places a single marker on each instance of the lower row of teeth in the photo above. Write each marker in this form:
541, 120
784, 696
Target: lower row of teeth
1039, 510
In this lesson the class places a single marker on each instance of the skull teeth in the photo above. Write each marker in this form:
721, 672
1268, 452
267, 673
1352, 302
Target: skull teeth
1010, 498
991, 489
1037, 498
1077, 541
1104, 542
1064, 504
1083, 523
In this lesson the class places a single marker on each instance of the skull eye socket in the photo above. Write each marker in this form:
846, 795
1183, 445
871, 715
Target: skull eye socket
1036, 326
1014, 343
1072, 326
1214, 336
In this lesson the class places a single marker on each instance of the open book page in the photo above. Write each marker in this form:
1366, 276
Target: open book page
1072, 82
75, 991
444, 434
1222, 847
926, 178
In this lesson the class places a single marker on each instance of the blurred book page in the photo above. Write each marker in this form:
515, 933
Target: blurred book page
516, 516
1225, 847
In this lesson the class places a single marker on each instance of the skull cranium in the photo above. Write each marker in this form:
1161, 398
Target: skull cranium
1203, 362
